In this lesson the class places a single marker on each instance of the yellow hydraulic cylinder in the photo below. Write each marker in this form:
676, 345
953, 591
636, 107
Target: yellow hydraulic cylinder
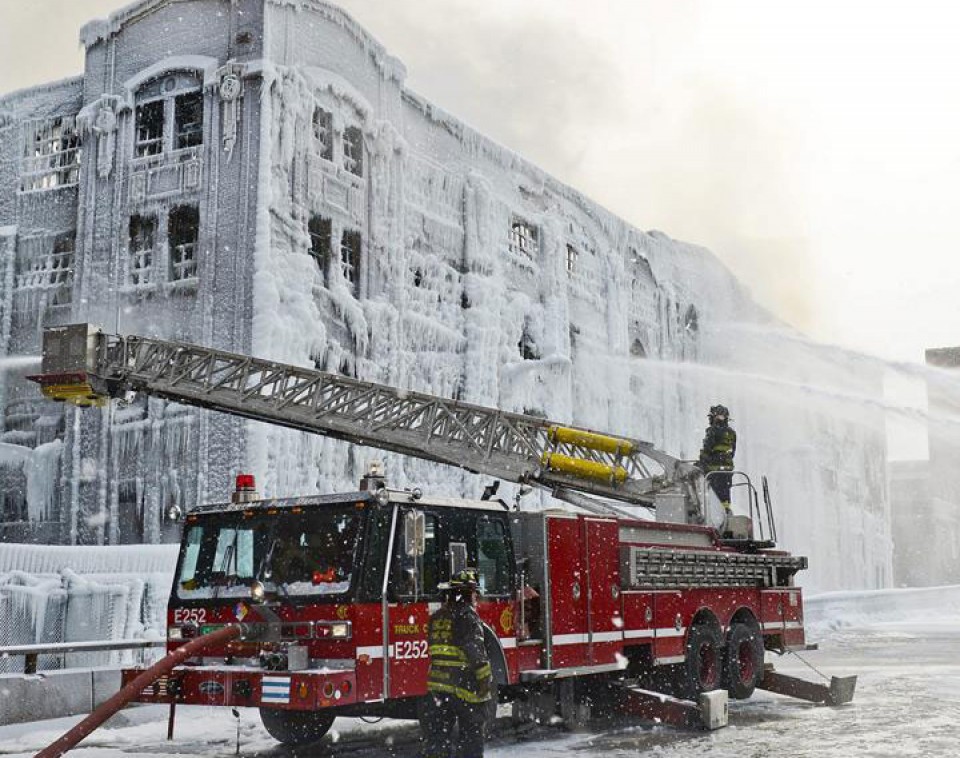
601, 472
590, 440
81, 394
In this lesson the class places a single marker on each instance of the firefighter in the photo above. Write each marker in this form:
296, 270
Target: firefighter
719, 447
460, 677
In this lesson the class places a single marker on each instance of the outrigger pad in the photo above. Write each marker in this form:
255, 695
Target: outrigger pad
841, 689
839, 692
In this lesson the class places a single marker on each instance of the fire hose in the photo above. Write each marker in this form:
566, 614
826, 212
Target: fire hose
133, 688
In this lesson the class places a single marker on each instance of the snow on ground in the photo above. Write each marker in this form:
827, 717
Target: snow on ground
907, 704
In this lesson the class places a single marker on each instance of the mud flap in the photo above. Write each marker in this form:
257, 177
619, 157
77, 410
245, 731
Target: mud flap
839, 692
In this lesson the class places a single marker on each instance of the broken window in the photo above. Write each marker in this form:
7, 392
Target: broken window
524, 238
691, 322
60, 275
150, 128
637, 350
46, 263
15, 506
188, 120
350, 246
320, 235
169, 114
51, 154
183, 231
571, 258
143, 231
529, 350
323, 133
353, 150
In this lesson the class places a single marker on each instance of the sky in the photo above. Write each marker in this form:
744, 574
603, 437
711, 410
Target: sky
814, 146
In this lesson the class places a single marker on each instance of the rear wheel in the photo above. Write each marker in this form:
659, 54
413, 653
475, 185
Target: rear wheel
296, 727
703, 667
744, 660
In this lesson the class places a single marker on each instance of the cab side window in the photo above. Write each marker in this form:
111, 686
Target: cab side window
493, 558
416, 576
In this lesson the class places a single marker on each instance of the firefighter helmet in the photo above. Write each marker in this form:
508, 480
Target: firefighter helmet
463, 579
719, 410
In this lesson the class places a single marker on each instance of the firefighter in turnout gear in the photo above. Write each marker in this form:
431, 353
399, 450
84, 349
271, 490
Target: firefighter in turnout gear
719, 447
460, 678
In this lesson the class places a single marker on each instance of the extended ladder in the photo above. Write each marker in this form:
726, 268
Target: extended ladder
85, 366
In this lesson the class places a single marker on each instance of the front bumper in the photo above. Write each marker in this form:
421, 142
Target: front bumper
238, 686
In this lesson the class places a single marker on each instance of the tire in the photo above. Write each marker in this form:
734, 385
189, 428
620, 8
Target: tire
703, 667
744, 667
296, 727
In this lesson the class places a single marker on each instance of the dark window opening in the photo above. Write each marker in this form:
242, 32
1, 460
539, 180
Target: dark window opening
353, 150
184, 229
323, 133
61, 268
350, 246
417, 278
150, 128
571, 258
524, 238
143, 231
691, 321
529, 350
637, 350
320, 243
15, 506
188, 120
493, 558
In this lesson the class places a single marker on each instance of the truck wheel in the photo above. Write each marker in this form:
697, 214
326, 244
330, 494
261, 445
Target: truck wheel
296, 727
703, 667
744, 665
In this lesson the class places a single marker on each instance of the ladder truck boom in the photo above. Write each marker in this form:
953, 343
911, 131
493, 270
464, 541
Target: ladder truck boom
85, 366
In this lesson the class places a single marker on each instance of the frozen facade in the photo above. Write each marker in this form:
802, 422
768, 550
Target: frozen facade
255, 175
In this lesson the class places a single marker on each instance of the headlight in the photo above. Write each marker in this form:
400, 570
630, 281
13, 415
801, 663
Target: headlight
174, 633
340, 630
257, 592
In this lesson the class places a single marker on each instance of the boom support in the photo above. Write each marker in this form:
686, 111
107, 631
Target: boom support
85, 366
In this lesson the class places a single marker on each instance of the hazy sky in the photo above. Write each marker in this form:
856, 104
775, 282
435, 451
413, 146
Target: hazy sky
814, 146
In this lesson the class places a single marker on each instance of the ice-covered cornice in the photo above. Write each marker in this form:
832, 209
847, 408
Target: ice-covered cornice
101, 29
9, 99
391, 67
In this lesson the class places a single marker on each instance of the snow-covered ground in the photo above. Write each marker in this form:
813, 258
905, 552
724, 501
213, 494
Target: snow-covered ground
907, 655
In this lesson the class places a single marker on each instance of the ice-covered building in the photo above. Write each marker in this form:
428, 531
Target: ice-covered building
256, 175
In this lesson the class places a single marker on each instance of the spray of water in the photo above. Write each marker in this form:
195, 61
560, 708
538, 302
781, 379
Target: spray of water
15, 362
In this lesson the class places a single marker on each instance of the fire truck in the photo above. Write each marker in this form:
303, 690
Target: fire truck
619, 587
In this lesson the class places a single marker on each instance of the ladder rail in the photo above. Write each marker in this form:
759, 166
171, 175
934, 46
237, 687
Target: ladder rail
510, 446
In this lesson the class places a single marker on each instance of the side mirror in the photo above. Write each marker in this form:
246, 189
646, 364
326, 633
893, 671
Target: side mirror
414, 533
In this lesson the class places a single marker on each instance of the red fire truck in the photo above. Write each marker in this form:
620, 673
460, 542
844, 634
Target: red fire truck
334, 592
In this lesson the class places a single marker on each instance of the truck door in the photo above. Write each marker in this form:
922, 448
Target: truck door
412, 592
567, 634
601, 547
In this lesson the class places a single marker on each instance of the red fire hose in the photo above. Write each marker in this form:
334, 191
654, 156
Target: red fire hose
127, 693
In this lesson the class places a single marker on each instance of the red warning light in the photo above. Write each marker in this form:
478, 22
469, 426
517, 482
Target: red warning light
246, 482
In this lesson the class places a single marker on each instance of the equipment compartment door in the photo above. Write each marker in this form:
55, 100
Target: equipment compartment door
601, 546
568, 641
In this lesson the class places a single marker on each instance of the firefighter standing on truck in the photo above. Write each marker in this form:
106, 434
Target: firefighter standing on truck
460, 677
716, 455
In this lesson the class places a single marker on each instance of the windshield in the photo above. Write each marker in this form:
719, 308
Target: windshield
292, 552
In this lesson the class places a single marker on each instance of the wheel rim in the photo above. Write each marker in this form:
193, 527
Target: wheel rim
747, 666
708, 665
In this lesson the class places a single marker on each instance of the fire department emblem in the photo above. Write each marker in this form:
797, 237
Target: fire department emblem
506, 620
342, 611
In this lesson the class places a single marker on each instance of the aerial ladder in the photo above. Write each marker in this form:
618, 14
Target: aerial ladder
597, 472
